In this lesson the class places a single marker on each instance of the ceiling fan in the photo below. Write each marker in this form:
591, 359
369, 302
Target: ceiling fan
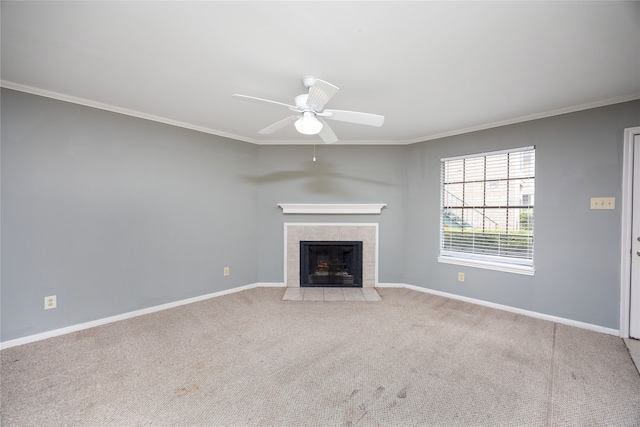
311, 113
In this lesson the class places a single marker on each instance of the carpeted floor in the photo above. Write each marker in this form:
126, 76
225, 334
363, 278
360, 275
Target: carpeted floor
252, 359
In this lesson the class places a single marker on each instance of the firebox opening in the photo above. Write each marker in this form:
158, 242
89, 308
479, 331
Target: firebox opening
331, 264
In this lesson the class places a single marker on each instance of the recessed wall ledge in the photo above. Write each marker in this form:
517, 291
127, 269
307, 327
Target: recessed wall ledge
335, 208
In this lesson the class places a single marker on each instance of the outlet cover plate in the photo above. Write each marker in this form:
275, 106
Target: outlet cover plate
50, 302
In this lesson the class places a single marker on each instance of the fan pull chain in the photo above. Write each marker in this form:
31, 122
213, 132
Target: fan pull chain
314, 152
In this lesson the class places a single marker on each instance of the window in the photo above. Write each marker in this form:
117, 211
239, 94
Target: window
487, 204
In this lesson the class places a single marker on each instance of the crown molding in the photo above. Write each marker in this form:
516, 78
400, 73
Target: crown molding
545, 114
114, 109
138, 114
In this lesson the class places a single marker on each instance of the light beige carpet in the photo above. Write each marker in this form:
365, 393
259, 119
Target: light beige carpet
250, 359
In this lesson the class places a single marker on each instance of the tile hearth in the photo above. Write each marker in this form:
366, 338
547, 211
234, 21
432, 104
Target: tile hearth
331, 294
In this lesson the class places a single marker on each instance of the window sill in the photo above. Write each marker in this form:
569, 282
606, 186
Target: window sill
507, 268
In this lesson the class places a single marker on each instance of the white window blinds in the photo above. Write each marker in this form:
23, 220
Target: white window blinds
488, 206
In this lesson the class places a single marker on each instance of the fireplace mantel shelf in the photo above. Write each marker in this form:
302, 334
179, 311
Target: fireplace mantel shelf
349, 208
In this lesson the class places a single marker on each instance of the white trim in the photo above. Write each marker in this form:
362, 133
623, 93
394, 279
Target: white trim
270, 285
124, 316
530, 117
120, 110
149, 310
133, 113
534, 314
487, 265
331, 208
489, 153
625, 230
392, 285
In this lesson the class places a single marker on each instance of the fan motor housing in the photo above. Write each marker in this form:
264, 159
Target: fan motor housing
301, 101
309, 81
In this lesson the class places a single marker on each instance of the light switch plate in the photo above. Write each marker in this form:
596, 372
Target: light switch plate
603, 203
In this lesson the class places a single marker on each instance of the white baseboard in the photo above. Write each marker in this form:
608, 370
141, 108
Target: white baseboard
392, 285
129, 315
269, 285
542, 316
149, 310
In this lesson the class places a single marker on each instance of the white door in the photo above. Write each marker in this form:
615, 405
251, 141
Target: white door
634, 306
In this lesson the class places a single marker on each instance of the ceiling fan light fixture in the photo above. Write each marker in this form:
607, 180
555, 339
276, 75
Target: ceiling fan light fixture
308, 124
309, 106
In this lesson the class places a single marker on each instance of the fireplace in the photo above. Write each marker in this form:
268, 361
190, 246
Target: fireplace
331, 263
294, 233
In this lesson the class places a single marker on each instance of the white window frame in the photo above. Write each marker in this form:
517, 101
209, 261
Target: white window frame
497, 263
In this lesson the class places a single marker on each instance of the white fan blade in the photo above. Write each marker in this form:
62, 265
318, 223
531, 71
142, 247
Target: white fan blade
320, 93
278, 125
263, 101
327, 134
354, 117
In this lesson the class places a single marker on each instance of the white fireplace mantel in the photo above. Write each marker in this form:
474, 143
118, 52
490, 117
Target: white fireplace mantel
334, 208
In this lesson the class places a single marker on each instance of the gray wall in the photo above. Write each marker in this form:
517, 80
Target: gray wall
578, 156
114, 214
341, 174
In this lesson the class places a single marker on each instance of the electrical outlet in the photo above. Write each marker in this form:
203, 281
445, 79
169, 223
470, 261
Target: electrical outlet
603, 203
226, 271
460, 277
50, 302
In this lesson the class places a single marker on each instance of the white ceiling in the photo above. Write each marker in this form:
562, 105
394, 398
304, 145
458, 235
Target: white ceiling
431, 68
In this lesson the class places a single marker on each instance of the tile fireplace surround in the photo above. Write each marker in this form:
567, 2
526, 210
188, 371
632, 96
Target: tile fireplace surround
332, 232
